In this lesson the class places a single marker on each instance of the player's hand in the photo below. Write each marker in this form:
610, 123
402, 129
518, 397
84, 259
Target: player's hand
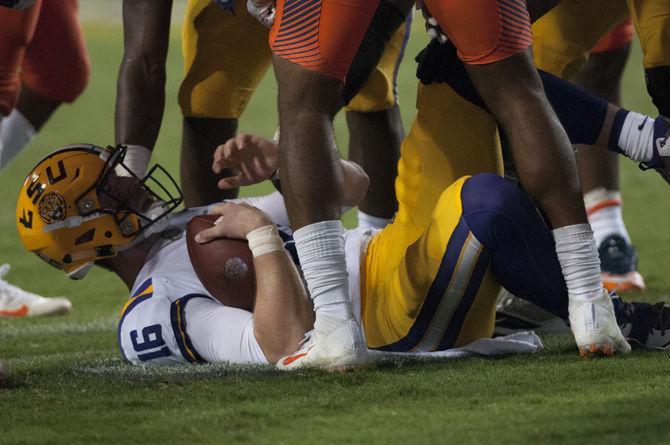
252, 158
236, 220
263, 11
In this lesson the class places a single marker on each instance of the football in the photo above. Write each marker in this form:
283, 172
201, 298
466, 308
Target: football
224, 266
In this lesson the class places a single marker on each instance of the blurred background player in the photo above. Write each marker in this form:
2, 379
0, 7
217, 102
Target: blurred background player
43, 63
599, 170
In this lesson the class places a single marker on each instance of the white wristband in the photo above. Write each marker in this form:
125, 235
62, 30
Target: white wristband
264, 240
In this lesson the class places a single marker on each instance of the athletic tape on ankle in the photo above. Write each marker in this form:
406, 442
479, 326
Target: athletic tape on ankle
264, 240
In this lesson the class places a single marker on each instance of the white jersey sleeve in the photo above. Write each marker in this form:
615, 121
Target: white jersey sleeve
222, 334
158, 328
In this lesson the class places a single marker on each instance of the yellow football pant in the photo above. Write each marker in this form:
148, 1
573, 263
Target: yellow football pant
226, 56
425, 284
563, 38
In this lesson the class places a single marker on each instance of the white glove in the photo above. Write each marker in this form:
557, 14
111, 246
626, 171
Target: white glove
264, 13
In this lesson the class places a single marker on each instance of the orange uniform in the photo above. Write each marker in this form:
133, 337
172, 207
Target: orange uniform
484, 31
321, 35
43, 48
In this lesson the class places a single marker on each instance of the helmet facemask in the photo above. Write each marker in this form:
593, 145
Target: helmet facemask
141, 206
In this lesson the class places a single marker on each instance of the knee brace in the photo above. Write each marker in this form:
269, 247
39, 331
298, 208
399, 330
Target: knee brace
658, 86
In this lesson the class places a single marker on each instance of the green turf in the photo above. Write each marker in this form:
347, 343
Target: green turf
68, 384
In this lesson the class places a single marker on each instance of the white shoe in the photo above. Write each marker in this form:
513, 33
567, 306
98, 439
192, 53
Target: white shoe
15, 302
595, 327
333, 344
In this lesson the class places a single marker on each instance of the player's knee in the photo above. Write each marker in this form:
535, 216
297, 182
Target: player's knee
489, 203
658, 85
489, 192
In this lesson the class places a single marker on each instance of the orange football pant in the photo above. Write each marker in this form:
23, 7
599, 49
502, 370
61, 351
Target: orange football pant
321, 35
484, 31
42, 47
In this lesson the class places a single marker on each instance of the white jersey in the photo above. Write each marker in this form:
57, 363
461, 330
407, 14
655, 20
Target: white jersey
171, 318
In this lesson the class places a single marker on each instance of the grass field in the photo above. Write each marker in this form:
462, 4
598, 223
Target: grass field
69, 385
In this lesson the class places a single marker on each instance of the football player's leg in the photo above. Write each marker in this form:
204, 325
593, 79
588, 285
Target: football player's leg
435, 153
449, 138
588, 119
57, 66
599, 170
428, 288
560, 44
55, 70
564, 36
16, 31
500, 64
652, 22
375, 129
225, 56
523, 260
313, 44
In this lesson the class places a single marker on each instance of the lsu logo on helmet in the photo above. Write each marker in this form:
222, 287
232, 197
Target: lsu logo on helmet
52, 208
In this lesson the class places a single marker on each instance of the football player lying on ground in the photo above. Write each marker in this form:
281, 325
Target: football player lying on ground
426, 282
43, 64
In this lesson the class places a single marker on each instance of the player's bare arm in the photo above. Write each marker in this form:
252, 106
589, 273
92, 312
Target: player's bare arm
255, 159
140, 97
282, 313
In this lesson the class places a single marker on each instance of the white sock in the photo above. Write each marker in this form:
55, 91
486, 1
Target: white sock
637, 137
320, 248
15, 133
578, 256
603, 208
366, 221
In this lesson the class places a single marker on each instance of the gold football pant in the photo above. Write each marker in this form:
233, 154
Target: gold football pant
425, 282
226, 56
563, 38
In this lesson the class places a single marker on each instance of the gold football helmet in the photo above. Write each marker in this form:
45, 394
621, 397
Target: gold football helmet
81, 204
